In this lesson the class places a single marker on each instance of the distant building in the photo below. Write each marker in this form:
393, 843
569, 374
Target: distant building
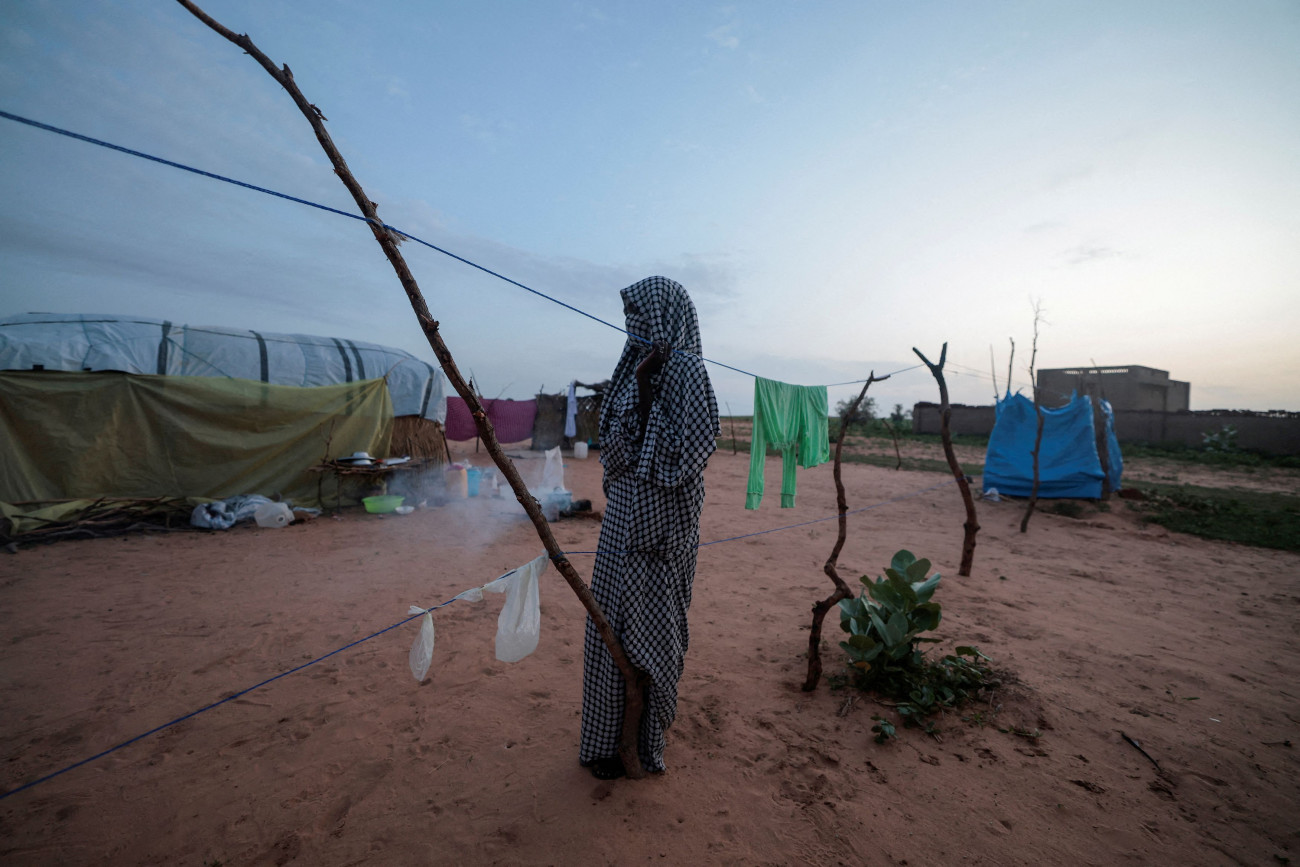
1130, 387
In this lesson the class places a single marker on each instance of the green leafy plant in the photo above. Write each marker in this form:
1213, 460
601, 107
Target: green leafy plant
886, 621
883, 728
1222, 440
885, 625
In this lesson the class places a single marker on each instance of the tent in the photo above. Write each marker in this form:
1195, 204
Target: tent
78, 342
1070, 463
102, 406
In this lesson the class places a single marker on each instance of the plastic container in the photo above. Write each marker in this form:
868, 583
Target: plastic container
472, 478
457, 482
382, 505
273, 515
580, 451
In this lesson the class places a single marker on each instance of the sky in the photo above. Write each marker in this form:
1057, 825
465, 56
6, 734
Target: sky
834, 183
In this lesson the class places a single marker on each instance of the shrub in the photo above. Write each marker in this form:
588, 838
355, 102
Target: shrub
885, 625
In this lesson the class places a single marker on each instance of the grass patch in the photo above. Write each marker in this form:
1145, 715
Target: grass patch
875, 429
888, 461
728, 444
922, 465
1066, 509
1262, 519
1204, 457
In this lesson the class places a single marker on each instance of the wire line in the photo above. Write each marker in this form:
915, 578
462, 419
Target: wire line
296, 669
393, 229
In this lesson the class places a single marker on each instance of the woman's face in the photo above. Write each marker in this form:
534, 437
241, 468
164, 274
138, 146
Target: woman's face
637, 323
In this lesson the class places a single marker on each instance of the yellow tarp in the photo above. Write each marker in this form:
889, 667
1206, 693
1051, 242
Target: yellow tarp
89, 435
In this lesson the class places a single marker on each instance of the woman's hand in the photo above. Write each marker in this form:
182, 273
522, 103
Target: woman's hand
660, 352
649, 366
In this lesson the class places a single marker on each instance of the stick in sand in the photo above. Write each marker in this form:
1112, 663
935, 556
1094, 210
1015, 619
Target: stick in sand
972, 525
842, 590
388, 241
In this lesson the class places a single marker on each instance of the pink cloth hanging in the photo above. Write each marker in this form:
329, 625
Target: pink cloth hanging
513, 419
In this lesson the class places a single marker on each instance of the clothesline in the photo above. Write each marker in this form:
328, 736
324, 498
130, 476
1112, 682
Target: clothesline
834, 517
415, 613
403, 234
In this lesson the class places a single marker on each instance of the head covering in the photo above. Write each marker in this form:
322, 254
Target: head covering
683, 426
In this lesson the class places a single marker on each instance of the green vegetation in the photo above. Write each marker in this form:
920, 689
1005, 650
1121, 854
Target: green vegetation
885, 626
1217, 457
1267, 520
1066, 508
883, 459
921, 465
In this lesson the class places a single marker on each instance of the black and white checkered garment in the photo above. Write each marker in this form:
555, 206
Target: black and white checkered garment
654, 488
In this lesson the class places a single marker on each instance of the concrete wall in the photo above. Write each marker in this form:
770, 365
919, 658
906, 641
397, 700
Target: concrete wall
1272, 433
969, 420
1129, 386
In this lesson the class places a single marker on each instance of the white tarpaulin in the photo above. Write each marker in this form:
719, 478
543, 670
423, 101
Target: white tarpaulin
133, 344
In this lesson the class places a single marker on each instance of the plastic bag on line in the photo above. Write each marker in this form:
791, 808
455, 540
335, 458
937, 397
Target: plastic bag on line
520, 624
422, 650
553, 472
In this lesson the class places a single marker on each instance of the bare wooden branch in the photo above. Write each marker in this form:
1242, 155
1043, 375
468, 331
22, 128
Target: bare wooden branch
1011, 360
1038, 416
388, 241
972, 525
898, 455
994, 370
842, 590
1099, 431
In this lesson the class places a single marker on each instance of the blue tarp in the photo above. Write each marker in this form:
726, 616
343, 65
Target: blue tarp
1068, 465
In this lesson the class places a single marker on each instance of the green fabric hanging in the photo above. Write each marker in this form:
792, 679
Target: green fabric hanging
787, 418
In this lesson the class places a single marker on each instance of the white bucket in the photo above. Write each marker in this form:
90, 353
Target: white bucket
273, 515
580, 451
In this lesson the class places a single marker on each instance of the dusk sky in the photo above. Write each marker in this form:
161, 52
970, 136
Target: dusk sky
833, 182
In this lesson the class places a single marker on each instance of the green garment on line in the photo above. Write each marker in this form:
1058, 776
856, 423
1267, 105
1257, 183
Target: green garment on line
785, 417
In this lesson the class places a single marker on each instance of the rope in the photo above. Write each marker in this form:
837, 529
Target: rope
215, 704
897, 499
301, 201
406, 235
282, 674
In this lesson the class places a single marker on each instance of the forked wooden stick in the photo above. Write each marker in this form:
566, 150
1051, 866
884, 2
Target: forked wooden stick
388, 240
842, 591
972, 525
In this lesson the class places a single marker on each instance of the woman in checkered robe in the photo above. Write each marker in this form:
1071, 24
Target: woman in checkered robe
658, 425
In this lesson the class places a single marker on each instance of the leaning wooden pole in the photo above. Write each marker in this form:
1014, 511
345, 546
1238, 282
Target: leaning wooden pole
842, 591
972, 525
388, 240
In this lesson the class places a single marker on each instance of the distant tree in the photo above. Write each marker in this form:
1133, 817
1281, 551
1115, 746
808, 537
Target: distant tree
864, 412
899, 417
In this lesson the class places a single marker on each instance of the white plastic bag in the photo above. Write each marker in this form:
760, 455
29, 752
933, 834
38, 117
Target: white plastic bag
422, 650
553, 472
519, 625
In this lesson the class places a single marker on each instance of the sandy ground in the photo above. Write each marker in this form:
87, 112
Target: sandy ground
1187, 646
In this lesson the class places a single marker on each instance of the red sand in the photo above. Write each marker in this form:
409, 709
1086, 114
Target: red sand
1190, 647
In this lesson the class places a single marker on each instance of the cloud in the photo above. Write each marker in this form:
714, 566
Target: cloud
489, 132
1065, 176
1087, 254
725, 36
395, 86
